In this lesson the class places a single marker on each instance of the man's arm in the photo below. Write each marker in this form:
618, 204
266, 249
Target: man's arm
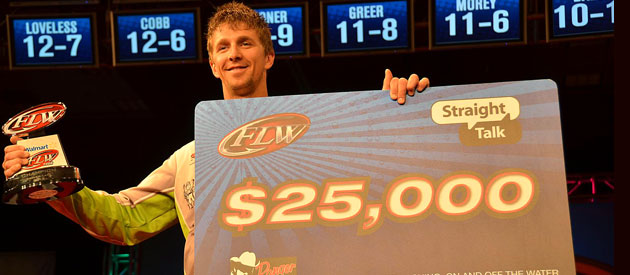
125, 218
117, 219
400, 87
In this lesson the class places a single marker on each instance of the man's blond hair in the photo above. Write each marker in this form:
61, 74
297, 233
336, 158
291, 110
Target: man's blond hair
234, 14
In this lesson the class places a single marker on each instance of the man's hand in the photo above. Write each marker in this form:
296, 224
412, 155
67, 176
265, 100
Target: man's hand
399, 87
15, 156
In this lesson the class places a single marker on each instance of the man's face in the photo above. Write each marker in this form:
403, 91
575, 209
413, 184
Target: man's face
238, 59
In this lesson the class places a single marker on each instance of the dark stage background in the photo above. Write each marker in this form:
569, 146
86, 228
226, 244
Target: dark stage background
124, 122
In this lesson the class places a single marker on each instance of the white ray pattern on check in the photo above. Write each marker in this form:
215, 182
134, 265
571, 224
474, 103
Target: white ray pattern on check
280, 167
221, 251
259, 243
324, 168
211, 204
412, 159
349, 121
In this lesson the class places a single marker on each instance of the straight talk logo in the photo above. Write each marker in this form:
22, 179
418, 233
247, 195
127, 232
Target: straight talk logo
264, 135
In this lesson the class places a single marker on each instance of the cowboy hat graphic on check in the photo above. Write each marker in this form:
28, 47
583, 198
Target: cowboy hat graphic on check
243, 265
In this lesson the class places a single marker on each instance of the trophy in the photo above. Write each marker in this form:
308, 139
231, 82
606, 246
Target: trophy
47, 176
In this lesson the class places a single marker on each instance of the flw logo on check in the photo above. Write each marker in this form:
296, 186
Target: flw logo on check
264, 135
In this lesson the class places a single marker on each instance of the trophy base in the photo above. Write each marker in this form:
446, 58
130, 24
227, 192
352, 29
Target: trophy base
43, 184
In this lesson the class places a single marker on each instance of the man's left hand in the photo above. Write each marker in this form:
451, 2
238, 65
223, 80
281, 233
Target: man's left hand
399, 88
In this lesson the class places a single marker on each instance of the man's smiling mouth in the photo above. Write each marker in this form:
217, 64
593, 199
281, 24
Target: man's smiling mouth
236, 68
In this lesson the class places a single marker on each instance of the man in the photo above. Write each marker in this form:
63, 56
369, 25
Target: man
241, 52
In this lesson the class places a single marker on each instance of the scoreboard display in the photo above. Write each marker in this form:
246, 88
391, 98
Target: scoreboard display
569, 18
52, 41
156, 37
456, 22
366, 26
289, 28
143, 36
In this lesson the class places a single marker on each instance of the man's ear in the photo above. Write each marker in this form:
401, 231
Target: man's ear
212, 66
269, 59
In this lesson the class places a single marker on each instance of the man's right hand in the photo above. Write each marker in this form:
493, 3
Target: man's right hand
15, 156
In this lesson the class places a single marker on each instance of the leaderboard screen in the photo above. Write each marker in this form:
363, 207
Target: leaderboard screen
145, 37
289, 32
575, 18
476, 21
366, 26
52, 41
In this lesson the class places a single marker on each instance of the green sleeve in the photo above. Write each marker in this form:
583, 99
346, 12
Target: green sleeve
112, 219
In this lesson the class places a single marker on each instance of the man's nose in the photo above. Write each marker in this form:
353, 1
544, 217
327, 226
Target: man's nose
235, 53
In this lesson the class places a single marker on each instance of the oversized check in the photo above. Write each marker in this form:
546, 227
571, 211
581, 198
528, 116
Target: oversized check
461, 180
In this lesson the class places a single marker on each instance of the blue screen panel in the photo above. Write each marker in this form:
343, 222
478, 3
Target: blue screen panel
52, 41
367, 26
476, 21
287, 29
156, 37
574, 18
